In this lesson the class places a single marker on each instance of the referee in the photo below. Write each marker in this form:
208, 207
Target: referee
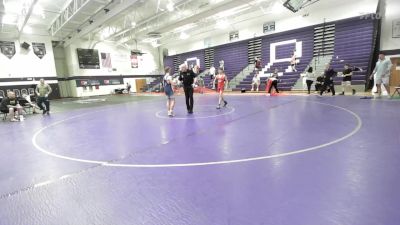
188, 78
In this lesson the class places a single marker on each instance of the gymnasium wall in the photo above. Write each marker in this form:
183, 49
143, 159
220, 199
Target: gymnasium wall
24, 69
120, 59
25, 63
98, 80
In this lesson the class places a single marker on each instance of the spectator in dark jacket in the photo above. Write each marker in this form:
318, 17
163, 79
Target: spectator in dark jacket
10, 105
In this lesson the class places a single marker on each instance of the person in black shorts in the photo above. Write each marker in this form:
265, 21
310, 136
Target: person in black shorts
347, 73
188, 78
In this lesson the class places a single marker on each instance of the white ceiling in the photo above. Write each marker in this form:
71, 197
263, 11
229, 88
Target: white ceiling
133, 22
44, 12
130, 21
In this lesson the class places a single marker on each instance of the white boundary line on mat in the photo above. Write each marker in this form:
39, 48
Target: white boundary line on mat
110, 164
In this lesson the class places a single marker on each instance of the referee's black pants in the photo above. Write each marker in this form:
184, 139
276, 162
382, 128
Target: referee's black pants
189, 98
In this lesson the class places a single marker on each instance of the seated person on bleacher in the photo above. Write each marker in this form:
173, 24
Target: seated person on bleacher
10, 105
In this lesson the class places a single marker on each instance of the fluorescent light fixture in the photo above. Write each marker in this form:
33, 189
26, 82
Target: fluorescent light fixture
278, 7
222, 24
9, 19
150, 40
296, 5
170, 6
105, 33
185, 27
27, 30
13, 7
183, 36
234, 11
38, 10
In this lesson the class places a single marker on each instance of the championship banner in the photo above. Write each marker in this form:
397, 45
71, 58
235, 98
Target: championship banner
134, 60
39, 49
7, 48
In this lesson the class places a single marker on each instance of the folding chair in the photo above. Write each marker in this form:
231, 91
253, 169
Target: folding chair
396, 90
17, 93
24, 92
4, 116
31, 91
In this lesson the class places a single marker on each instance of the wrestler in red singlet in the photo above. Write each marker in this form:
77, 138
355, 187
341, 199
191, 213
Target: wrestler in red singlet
221, 78
221, 82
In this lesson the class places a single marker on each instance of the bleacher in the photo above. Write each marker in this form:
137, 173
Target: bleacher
234, 56
288, 79
352, 44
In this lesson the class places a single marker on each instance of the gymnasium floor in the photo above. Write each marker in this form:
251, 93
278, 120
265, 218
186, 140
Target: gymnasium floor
286, 160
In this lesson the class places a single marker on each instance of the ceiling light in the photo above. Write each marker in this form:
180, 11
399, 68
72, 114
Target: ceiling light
105, 33
27, 30
13, 7
133, 24
38, 10
222, 24
277, 8
185, 27
9, 19
231, 12
170, 6
183, 36
149, 40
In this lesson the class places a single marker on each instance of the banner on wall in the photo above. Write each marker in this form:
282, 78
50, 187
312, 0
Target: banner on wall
7, 48
39, 49
134, 60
